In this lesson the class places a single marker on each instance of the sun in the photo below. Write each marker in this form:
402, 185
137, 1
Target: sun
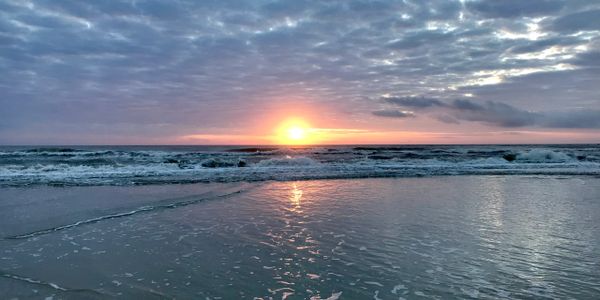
296, 133
293, 131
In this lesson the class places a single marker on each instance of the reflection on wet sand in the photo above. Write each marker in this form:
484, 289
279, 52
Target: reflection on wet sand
296, 195
488, 237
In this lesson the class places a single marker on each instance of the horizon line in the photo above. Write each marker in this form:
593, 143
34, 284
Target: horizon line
290, 145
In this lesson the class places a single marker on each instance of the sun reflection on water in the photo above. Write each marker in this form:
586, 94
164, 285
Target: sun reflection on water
296, 195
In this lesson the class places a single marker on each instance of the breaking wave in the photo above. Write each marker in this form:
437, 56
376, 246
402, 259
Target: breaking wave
186, 164
543, 156
287, 161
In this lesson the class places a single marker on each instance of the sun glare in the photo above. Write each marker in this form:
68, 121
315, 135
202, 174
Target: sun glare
294, 132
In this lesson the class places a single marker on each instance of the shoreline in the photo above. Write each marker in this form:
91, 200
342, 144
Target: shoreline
592, 171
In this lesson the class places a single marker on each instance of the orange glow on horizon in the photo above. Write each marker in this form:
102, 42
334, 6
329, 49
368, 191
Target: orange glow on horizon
294, 123
294, 131
343, 136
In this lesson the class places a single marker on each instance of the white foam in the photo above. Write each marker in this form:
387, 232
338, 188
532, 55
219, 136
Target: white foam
543, 156
288, 161
376, 296
334, 296
374, 283
398, 288
152, 167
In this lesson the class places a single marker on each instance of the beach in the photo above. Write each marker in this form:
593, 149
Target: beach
287, 150
484, 237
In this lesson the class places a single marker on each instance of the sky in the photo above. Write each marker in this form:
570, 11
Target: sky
353, 72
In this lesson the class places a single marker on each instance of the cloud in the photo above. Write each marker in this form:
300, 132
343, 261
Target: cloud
392, 113
447, 119
134, 68
494, 113
416, 102
467, 105
421, 38
542, 44
588, 59
571, 119
584, 20
514, 8
497, 113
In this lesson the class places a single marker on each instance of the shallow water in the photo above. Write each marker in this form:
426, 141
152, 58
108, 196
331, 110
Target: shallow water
484, 237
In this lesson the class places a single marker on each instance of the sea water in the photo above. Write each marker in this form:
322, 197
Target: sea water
434, 237
135, 165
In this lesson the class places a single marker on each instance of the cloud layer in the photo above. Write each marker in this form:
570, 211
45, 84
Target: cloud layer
493, 113
110, 71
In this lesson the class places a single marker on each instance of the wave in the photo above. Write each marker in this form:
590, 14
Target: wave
253, 149
52, 150
143, 209
61, 290
33, 281
544, 156
139, 165
287, 161
220, 163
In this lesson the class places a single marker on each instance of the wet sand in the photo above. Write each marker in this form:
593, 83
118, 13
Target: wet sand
495, 237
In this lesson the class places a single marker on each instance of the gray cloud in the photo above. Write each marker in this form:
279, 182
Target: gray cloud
392, 113
588, 59
543, 44
447, 119
515, 8
494, 113
501, 114
584, 20
571, 119
144, 68
421, 38
414, 102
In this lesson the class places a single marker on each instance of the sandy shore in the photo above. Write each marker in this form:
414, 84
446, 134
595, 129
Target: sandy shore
450, 237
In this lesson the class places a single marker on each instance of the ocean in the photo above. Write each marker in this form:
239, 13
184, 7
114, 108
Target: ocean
327, 222
135, 165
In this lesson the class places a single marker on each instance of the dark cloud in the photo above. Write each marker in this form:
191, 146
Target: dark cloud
447, 119
543, 44
499, 114
588, 59
571, 119
568, 89
514, 8
415, 102
467, 105
494, 113
392, 113
421, 38
584, 20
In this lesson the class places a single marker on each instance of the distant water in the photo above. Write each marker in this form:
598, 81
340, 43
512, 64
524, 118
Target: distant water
127, 165
445, 237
